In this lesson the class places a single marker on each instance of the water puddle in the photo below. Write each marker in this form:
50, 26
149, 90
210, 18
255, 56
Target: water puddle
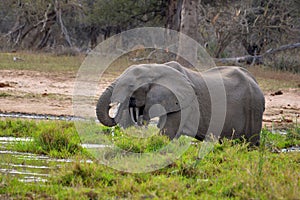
14, 139
29, 167
40, 117
290, 149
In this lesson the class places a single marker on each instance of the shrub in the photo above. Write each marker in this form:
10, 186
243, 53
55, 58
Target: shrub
58, 139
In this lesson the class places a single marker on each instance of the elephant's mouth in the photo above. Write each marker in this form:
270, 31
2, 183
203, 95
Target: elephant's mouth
136, 115
136, 112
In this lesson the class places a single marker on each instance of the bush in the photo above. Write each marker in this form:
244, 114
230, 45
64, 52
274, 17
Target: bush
285, 61
60, 139
17, 128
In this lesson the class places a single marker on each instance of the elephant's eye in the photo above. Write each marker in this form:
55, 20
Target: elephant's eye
131, 85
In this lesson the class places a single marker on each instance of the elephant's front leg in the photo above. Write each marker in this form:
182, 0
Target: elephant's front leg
169, 124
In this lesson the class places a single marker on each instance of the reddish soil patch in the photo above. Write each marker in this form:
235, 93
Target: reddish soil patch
30, 91
282, 109
43, 93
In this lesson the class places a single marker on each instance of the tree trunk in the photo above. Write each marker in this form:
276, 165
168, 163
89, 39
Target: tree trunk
64, 30
189, 19
189, 27
174, 14
93, 36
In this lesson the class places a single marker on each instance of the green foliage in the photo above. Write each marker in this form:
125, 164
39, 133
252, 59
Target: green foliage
293, 135
275, 141
87, 175
140, 140
232, 170
4, 94
17, 128
122, 14
229, 171
57, 139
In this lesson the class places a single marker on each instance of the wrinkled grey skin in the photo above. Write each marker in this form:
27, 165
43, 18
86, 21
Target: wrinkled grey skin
185, 99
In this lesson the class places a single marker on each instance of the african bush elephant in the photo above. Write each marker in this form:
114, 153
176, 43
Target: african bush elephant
182, 100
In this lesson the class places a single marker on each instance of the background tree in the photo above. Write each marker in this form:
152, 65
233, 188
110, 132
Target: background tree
111, 17
254, 24
235, 28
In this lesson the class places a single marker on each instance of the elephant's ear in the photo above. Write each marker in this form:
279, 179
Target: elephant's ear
163, 99
177, 66
174, 65
158, 74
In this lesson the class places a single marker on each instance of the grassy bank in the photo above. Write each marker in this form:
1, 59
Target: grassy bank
232, 170
40, 62
268, 78
56, 139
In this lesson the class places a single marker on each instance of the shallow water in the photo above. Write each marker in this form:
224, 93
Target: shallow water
39, 116
29, 167
290, 149
17, 164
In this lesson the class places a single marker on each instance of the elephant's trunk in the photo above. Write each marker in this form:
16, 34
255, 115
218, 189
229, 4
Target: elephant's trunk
103, 107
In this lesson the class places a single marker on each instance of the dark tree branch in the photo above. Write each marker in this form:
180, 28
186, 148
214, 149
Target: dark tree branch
256, 59
64, 30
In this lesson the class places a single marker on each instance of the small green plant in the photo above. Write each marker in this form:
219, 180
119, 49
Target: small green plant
293, 135
139, 140
262, 151
17, 128
58, 139
87, 175
4, 94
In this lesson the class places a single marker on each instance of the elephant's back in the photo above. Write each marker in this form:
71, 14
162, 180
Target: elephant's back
239, 84
245, 100
233, 73
237, 80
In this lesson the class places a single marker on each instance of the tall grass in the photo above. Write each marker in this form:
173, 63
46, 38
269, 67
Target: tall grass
57, 139
232, 170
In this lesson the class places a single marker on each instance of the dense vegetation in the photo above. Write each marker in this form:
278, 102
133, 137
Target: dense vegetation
226, 29
231, 170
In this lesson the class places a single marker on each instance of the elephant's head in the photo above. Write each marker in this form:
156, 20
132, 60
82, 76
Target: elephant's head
143, 92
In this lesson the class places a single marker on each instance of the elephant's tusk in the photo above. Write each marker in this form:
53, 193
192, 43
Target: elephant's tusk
137, 111
114, 109
131, 115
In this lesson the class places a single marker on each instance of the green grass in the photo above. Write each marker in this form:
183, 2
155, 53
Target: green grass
233, 170
46, 62
4, 95
56, 139
40, 62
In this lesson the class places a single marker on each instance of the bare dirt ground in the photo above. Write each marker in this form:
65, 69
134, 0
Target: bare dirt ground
42, 93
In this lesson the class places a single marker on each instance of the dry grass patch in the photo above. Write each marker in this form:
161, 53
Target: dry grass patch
270, 80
